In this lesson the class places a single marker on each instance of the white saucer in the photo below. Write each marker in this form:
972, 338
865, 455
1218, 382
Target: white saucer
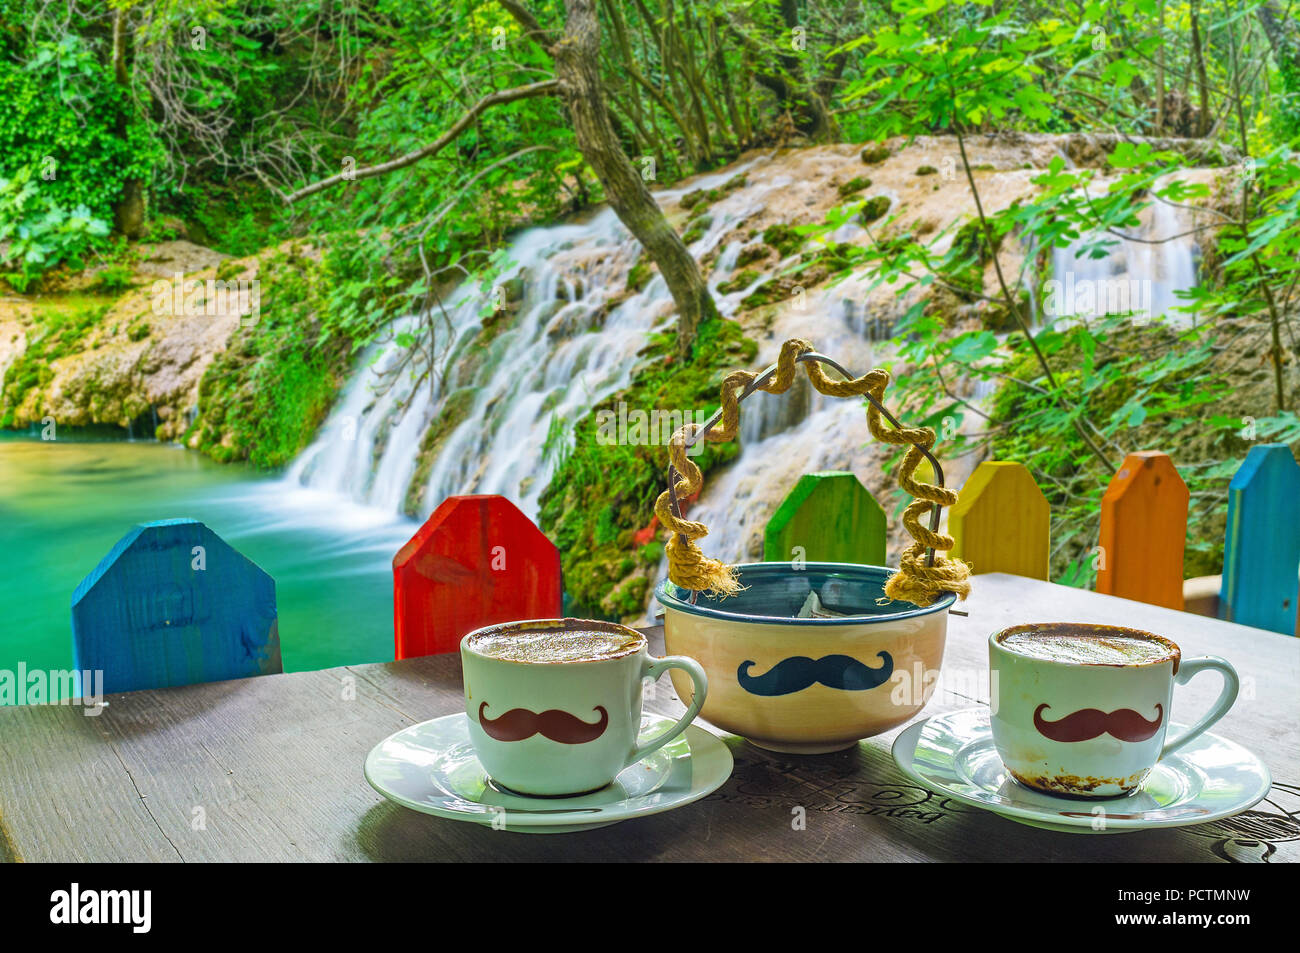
431, 768
1208, 779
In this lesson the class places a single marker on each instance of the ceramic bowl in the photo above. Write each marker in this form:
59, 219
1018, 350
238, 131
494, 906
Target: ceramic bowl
807, 686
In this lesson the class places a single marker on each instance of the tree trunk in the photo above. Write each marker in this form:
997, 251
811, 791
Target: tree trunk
128, 212
1202, 84
1284, 41
788, 84
577, 61
1275, 28
1160, 76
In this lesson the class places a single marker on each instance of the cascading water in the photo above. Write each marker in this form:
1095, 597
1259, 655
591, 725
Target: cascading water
1142, 274
499, 398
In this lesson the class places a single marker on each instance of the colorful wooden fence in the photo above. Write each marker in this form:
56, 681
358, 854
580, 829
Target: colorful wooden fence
827, 517
174, 604
1002, 522
1262, 549
477, 560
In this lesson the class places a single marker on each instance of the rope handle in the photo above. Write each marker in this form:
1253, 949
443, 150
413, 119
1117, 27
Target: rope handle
924, 573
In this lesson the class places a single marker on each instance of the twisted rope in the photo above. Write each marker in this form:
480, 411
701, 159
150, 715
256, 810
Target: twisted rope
914, 582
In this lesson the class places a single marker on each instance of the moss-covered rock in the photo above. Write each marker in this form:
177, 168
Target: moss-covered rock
453, 412
701, 197
639, 275
996, 316
927, 170
783, 287
875, 153
835, 257
692, 198
742, 279
783, 238
604, 491
873, 209
263, 398
696, 228
854, 185
58, 330
967, 257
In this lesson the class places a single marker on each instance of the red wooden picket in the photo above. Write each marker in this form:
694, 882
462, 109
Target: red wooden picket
476, 561
1144, 531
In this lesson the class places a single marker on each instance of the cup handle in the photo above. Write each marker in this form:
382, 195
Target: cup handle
654, 667
1186, 671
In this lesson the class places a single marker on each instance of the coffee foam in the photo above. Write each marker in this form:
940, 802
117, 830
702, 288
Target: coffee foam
1088, 645
556, 645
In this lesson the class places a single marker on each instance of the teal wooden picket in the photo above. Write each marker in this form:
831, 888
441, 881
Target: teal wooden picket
1261, 551
174, 604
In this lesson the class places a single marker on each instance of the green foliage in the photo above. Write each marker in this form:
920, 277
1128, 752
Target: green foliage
114, 278
68, 145
1068, 394
1141, 385
38, 234
856, 184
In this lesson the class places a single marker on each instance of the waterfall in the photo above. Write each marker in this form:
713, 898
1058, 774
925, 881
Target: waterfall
569, 336
1142, 274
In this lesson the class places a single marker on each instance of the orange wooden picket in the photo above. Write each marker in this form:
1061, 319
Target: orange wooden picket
1144, 531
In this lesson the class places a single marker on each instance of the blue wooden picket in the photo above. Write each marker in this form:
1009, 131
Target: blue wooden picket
174, 604
1261, 554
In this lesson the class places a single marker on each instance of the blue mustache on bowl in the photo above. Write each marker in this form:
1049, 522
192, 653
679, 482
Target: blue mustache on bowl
799, 672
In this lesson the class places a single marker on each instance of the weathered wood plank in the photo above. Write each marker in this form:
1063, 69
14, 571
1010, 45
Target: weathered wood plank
174, 604
1001, 521
827, 517
1144, 531
276, 765
1261, 552
67, 794
477, 560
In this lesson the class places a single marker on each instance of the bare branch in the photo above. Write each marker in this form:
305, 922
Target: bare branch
544, 88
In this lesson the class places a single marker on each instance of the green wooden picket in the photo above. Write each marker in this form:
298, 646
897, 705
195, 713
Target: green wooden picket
827, 517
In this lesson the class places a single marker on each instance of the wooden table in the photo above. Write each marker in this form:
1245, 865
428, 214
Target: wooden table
270, 768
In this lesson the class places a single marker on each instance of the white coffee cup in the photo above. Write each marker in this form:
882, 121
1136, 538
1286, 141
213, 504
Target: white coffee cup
554, 728
1095, 727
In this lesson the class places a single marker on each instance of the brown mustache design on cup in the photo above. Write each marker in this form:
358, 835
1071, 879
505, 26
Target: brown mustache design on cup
556, 724
1085, 724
